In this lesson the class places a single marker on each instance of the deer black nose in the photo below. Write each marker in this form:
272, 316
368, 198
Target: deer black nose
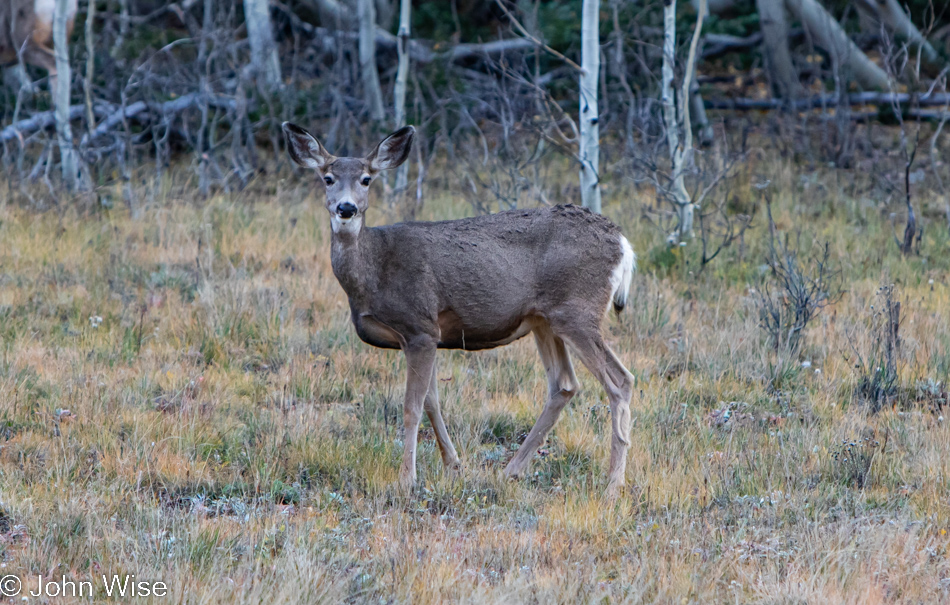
346, 210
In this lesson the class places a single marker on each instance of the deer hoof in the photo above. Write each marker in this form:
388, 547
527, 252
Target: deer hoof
614, 489
407, 482
453, 468
515, 470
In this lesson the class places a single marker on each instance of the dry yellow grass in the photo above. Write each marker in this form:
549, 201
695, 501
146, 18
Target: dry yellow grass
224, 431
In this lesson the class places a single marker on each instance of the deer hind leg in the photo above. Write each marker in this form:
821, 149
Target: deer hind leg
618, 382
562, 385
449, 457
420, 364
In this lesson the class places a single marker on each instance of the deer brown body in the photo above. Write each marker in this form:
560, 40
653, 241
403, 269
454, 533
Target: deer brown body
26, 31
477, 283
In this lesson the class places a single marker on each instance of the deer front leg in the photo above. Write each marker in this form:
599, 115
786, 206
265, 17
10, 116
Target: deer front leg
420, 361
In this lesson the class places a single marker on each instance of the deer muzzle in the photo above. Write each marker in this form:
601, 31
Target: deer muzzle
346, 210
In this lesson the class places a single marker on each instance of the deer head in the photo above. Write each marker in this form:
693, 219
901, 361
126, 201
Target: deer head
347, 180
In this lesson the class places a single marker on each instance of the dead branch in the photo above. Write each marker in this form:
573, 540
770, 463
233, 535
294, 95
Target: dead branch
819, 101
112, 115
40, 121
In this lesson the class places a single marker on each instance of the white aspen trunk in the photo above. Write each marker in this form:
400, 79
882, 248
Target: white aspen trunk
590, 129
774, 25
890, 14
402, 80
829, 36
676, 109
333, 13
123, 27
90, 65
386, 12
64, 131
368, 70
698, 109
260, 34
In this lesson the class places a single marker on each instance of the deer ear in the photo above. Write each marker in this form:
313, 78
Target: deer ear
304, 149
392, 151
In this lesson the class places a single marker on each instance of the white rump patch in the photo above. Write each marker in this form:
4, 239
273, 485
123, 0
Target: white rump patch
44, 10
622, 275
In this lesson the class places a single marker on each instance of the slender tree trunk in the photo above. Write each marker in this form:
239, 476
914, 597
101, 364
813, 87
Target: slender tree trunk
828, 34
676, 110
386, 12
698, 111
890, 14
590, 129
90, 65
260, 34
774, 26
402, 80
69, 160
123, 27
332, 12
368, 70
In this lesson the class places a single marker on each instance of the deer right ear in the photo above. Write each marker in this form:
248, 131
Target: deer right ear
392, 151
304, 149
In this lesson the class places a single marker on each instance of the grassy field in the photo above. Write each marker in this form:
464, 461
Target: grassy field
182, 398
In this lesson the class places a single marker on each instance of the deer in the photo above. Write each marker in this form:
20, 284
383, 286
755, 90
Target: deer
477, 283
26, 32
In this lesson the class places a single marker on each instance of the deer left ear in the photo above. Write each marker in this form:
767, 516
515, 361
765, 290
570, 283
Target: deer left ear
304, 148
392, 151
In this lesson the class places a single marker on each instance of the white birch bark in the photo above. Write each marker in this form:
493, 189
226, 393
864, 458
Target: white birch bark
890, 14
333, 13
70, 164
402, 80
368, 69
698, 110
774, 25
679, 134
590, 129
826, 32
260, 34
90, 65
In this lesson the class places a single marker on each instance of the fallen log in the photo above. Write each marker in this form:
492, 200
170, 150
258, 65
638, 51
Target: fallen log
720, 44
831, 37
468, 51
419, 51
111, 115
40, 121
860, 98
162, 109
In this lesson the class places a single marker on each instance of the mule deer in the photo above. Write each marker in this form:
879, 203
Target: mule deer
477, 283
26, 31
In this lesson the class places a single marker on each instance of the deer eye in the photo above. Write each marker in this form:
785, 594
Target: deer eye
328, 180
366, 181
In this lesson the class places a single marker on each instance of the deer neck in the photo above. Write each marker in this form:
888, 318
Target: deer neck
348, 251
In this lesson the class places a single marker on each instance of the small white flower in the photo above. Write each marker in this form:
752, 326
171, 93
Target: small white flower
806, 364
817, 371
930, 281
